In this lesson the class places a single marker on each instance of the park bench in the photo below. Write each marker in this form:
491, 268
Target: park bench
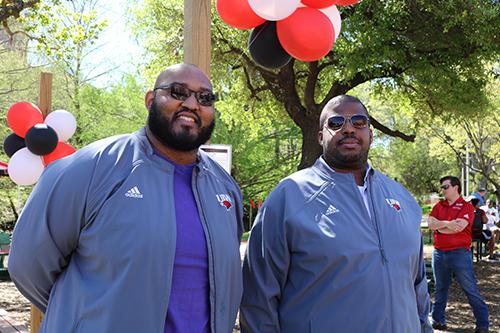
4, 252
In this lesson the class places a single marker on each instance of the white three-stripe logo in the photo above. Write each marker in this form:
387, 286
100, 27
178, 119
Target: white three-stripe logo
134, 193
331, 210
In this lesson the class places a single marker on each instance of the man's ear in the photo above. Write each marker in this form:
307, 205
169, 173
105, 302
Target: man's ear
371, 136
320, 138
148, 99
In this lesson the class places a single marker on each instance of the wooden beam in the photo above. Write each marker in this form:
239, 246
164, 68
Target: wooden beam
45, 105
197, 43
45, 93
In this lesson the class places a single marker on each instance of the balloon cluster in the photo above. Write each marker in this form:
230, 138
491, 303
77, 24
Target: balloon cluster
305, 30
36, 142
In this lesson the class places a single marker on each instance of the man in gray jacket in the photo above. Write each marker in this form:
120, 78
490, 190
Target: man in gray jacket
337, 247
140, 232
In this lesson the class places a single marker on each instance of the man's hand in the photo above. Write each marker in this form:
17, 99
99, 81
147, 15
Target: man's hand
435, 224
447, 227
454, 226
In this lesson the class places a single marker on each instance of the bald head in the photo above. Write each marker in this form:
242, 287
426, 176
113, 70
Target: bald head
177, 70
334, 103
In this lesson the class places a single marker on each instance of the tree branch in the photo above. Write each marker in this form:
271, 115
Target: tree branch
388, 131
14, 8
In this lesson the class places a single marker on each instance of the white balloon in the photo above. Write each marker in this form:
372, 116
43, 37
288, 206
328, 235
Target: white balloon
25, 167
63, 122
333, 14
274, 10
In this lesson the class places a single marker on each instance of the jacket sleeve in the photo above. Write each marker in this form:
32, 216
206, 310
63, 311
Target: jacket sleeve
422, 294
265, 270
47, 231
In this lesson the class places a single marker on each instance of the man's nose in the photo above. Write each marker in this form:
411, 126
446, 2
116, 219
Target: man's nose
347, 127
191, 103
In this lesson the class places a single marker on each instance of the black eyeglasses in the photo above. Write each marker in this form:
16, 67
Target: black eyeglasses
445, 186
358, 121
181, 93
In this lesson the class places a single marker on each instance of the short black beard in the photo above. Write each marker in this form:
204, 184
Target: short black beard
352, 162
161, 127
337, 160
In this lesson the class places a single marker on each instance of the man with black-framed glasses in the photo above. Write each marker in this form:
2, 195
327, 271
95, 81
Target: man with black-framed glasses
140, 232
451, 219
337, 247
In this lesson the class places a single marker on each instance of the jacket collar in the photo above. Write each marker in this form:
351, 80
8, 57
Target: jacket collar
325, 170
147, 149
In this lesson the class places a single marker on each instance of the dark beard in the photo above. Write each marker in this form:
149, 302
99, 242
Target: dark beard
351, 162
161, 128
338, 160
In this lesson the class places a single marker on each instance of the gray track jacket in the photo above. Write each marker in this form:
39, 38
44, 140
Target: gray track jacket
94, 246
316, 262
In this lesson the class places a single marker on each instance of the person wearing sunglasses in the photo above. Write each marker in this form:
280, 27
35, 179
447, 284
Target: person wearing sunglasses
140, 232
337, 247
451, 219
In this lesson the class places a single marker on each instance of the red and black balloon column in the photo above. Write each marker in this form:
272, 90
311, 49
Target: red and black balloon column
305, 30
35, 141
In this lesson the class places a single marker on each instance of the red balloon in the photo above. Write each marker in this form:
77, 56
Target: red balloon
319, 3
22, 116
62, 150
238, 14
345, 2
307, 34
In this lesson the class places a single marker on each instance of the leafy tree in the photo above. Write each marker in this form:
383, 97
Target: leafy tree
435, 52
66, 34
480, 137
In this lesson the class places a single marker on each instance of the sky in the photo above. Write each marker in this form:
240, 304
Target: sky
118, 51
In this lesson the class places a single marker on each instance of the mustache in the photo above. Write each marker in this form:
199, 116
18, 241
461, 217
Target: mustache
184, 110
348, 137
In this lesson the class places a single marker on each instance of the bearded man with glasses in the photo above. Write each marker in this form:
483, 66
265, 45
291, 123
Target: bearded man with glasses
337, 247
452, 219
140, 232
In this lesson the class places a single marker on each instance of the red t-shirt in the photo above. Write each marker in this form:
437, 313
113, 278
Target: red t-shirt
443, 210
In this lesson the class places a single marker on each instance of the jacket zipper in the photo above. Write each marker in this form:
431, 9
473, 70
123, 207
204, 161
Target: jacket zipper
385, 261
211, 264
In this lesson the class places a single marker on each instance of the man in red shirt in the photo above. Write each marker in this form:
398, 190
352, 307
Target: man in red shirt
451, 219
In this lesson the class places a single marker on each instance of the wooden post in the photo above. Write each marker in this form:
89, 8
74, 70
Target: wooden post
197, 43
45, 93
45, 105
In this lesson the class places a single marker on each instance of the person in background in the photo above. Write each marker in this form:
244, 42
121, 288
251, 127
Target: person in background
140, 232
451, 220
492, 215
337, 247
480, 194
478, 224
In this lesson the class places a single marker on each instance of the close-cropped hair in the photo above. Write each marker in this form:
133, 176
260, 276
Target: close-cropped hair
336, 101
454, 181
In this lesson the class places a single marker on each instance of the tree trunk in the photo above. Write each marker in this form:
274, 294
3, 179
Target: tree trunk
311, 149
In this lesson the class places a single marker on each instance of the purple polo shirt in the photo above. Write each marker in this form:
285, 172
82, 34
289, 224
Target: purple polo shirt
189, 307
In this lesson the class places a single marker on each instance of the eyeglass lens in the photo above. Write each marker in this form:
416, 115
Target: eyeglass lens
182, 93
445, 187
337, 122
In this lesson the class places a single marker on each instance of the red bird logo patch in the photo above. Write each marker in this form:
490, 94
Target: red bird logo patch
394, 204
224, 200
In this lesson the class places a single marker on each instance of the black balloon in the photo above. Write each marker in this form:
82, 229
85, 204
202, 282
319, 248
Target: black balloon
265, 47
41, 139
13, 143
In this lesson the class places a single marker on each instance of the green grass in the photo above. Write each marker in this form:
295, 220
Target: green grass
426, 209
244, 238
